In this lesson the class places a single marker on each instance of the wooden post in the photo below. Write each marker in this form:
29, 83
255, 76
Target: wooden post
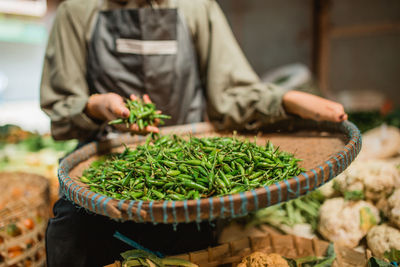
322, 44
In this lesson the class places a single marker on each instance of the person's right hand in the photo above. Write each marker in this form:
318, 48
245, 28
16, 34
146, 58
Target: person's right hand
111, 106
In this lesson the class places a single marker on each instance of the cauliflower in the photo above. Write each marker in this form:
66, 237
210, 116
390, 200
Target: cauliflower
383, 206
372, 180
380, 143
394, 208
328, 190
260, 259
346, 222
382, 239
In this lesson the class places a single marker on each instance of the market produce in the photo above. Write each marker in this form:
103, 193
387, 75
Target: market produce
24, 210
380, 143
11, 135
346, 222
382, 239
375, 262
393, 256
371, 180
328, 191
143, 258
13, 230
142, 114
298, 216
393, 208
173, 168
31, 152
29, 223
367, 120
261, 259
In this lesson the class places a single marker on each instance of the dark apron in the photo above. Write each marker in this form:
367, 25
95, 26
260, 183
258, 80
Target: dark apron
126, 56
147, 51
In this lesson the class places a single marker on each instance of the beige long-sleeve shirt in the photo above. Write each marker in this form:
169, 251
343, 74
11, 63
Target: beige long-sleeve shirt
235, 95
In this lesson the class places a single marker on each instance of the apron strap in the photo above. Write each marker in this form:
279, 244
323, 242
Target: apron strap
135, 245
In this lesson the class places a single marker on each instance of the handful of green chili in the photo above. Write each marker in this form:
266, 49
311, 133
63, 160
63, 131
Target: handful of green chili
173, 168
140, 113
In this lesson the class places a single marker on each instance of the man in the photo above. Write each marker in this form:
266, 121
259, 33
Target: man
181, 55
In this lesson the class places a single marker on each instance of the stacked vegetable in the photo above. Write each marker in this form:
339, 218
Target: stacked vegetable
146, 259
173, 168
292, 217
141, 113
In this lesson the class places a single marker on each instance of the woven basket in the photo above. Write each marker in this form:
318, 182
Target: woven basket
326, 149
24, 208
290, 246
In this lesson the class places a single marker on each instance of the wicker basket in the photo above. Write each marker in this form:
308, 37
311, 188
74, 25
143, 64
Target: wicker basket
24, 211
326, 149
290, 246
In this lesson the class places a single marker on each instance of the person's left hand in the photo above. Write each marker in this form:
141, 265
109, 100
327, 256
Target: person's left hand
313, 107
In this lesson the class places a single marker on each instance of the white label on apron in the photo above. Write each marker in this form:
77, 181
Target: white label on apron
140, 47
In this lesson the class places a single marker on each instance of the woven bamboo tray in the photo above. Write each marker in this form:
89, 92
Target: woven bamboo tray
25, 197
290, 246
326, 149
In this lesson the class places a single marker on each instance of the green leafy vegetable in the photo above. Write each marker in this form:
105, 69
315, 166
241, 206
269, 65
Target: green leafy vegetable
375, 262
313, 261
143, 258
393, 255
367, 120
367, 218
354, 195
301, 210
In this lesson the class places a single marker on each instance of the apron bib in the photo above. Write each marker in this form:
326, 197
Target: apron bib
147, 51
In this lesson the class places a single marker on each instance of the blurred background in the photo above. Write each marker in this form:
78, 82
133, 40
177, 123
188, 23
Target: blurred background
349, 49
348, 45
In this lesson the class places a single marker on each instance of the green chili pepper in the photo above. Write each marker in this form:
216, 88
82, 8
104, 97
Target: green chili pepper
185, 176
117, 121
194, 162
84, 180
157, 194
225, 179
140, 113
173, 172
194, 185
173, 168
136, 195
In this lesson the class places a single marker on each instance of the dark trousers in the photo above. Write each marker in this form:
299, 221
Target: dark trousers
76, 237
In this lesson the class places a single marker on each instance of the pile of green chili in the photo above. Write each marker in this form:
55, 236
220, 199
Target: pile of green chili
173, 168
142, 114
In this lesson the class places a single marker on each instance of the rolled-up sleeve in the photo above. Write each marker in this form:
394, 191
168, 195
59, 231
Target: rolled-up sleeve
64, 91
236, 96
